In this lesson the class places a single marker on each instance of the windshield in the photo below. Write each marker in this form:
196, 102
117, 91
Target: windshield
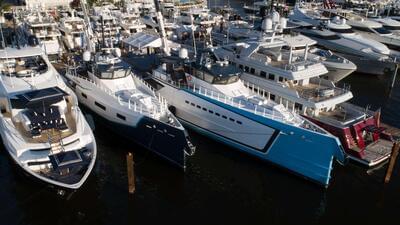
343, 31
226, 80
115, 71
331, 37
382, 30
392, 27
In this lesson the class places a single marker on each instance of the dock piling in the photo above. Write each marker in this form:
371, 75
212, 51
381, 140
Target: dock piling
392, 162
131, 173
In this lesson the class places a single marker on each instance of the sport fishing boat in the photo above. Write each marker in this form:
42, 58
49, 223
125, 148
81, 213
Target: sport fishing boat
293, 79
208, 96
42, 127
128, 105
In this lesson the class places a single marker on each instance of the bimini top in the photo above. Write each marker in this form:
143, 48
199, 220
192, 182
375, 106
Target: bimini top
299, 41
20, 52
38, 98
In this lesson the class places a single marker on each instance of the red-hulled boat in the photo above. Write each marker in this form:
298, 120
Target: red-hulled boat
362, 136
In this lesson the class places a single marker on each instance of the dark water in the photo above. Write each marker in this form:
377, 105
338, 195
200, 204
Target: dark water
220, 186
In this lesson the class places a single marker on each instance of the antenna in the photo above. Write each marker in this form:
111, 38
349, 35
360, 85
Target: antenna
160, 21
102, 31
88, 27
193, 37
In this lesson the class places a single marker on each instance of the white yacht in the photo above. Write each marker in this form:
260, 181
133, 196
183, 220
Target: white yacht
106, 26
338, 66
369, 28
42, 26
293, 79
370, 56
199, 17
72, 31
208, 96
390, 24
128, 105
130, 22
42, 127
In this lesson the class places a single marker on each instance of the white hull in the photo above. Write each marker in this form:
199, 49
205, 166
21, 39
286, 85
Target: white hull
370, 66
10, 146
337, 74
248, 133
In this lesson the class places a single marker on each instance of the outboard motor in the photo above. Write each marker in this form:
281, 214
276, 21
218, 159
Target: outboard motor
33, 41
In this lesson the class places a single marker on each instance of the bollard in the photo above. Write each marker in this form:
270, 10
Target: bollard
131, 173
392, 162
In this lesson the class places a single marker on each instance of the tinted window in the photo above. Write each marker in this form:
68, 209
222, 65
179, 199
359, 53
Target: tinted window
365, 29
272, 97
271, 76
121, 116
392, 27
100, 105
382, 30
343, 31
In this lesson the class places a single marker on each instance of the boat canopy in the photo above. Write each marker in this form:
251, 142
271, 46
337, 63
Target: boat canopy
38, 98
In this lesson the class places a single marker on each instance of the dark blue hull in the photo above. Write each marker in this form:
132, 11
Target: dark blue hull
169, 143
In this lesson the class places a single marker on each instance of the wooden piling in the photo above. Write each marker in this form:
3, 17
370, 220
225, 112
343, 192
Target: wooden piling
131, 173
392, 162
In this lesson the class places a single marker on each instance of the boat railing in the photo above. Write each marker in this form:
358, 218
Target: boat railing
367, 110
134, 106
316, 95
283, 64
244, 103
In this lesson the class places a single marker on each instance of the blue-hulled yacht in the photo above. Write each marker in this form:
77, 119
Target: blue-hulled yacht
208, 96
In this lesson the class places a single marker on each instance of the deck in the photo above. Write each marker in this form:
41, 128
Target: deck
378, 151
56, 136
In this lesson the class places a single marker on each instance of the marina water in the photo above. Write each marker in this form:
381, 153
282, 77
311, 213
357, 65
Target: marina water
220, 186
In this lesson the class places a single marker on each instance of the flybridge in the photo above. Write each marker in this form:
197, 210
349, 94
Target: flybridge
38, 97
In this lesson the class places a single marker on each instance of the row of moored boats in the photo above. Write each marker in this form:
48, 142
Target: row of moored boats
269, 90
